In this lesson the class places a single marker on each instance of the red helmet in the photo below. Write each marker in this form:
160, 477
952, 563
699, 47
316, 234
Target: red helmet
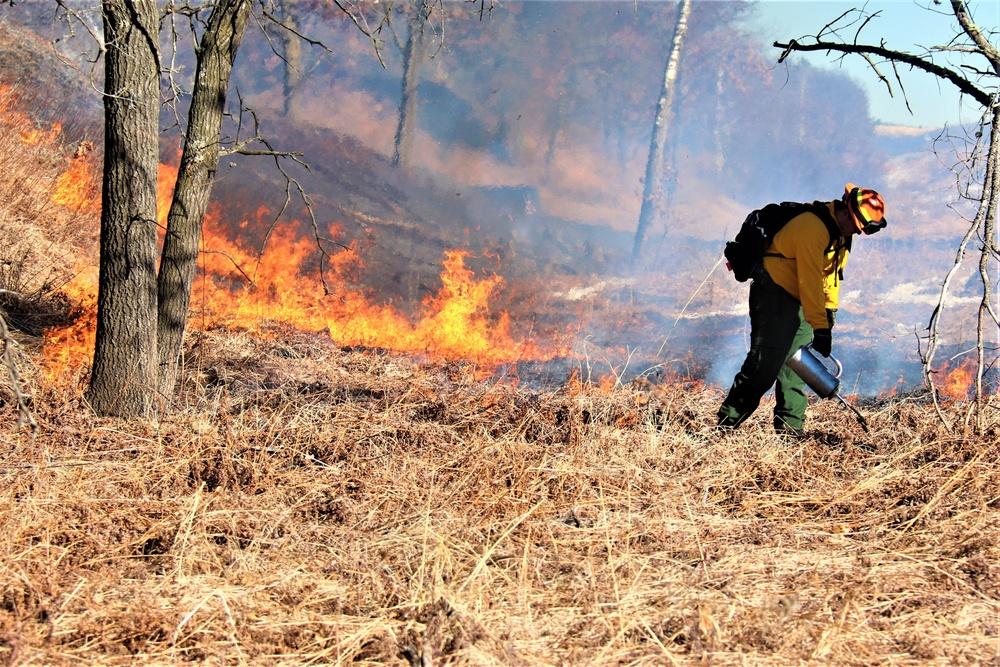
867, 207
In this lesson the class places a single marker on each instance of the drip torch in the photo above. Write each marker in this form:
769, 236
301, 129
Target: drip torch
819, 378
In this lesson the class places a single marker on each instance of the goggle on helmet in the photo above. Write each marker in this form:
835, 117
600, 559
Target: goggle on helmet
867, 207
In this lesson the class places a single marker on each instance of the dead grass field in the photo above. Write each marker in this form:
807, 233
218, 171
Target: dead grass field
308, 505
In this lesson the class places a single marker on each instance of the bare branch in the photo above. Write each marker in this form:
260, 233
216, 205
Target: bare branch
295, 32
830, 26
882, 78
918, 62
972, 30
902, 89
981, 227
865, 22
361, 22
240, 145
71, 16
247, 151
232, 260
989, 202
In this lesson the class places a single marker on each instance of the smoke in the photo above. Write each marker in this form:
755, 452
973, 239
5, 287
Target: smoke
370, 119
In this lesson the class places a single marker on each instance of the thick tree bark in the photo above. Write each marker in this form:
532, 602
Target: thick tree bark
123, 379
413, 58
661, 129
199, 162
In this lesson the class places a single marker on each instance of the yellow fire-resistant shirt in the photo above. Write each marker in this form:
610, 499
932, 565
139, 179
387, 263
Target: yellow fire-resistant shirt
805, 269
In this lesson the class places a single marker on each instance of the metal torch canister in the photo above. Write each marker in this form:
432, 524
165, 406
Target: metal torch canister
814, 372
819, 378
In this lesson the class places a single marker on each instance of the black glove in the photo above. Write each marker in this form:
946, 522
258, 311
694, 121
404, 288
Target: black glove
822, 341
831, 316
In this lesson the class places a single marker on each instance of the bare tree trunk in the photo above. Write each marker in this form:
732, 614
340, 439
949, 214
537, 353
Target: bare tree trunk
661, 129
511, 136
123, 379
413, 59
991, 195
554, 118
293, 57
199, 162
721, 131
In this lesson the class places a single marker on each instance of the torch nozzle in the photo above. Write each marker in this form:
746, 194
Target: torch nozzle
861, 419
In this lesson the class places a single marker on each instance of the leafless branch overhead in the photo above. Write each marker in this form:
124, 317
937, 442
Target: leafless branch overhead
962, 83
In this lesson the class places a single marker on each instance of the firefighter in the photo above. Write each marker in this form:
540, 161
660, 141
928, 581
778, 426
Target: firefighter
794, 300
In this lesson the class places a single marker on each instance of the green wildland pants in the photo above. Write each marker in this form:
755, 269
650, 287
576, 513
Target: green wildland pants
777, 329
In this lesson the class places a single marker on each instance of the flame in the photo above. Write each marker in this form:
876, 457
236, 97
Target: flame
899, 385
166, 179
27, 132
77, 188
65, 348
958, 383
598, 384
455, 323
238, 286
35, 137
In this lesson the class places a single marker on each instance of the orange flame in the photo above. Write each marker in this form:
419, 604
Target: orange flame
241, 287
600, 384
34, 137
27, 132
67, 347
78, 188
958, 383
455, 323
166, 179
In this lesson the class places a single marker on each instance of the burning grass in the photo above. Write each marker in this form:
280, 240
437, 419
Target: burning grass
310, 505
42, 244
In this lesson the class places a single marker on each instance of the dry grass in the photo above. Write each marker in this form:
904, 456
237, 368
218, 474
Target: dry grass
308, 505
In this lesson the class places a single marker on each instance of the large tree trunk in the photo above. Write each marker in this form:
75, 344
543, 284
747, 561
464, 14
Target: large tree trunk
413, 58
199, 162
123, 379
661, 129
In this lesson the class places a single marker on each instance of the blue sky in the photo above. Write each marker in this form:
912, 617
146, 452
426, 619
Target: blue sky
905, 25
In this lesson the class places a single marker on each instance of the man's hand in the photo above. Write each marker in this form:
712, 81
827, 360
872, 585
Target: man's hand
822, 341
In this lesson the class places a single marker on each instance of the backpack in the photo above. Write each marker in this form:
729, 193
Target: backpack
746, 252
